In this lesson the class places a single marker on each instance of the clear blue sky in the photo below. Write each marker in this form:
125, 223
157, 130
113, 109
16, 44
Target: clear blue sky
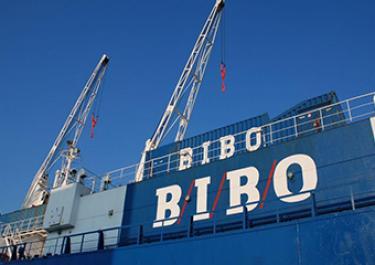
278, 53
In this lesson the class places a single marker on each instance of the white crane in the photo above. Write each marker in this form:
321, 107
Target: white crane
75, 123
191, 78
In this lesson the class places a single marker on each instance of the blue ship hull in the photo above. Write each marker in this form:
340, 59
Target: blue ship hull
342, 238
333, 222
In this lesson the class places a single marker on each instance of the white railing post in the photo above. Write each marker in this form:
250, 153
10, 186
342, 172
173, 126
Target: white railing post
264, 139
321, 119
349, 111
29, 224
93, 184
295, 126
20, 225
151, 167
169, 163
271, 139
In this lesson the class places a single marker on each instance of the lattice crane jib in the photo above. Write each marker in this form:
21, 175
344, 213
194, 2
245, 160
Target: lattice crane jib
74, 124
190, 80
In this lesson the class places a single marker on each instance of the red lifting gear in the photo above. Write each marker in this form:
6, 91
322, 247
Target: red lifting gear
93, 124
223, 73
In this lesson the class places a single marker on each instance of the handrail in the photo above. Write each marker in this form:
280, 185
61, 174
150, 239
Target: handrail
134, 234
345, 112
22, 226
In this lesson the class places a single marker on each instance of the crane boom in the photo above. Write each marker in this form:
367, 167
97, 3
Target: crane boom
198, 60
197, 81
76, 120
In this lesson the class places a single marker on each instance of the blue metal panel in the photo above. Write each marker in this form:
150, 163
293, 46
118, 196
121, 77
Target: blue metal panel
334, 226
160, 156
211, 135
312, 115
345, 239
345, 166
309, 104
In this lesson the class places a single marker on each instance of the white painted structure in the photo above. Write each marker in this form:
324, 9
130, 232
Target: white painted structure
73, 210
190, 80
75, 123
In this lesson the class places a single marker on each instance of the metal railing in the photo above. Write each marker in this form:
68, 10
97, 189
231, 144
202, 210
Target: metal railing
348, 197
22, 226
313, 121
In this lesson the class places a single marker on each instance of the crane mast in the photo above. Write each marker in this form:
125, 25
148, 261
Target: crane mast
191, 78
76, 120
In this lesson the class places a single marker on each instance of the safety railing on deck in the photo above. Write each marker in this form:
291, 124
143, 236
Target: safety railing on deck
21, 226
313, 121
347, 198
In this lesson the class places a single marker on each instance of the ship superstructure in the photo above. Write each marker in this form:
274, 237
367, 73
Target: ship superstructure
304, 178
292, 189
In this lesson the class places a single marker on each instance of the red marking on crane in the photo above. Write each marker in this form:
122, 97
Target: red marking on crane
94, 121
218, 194
223, 73
186, 201
265, 192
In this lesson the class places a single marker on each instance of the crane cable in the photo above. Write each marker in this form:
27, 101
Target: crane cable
96, 112
223, 67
